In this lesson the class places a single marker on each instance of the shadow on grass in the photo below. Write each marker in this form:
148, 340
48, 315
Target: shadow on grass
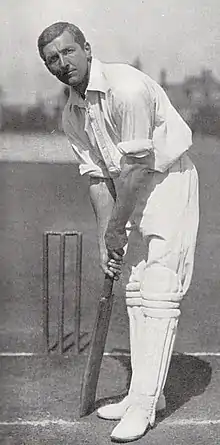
188, 377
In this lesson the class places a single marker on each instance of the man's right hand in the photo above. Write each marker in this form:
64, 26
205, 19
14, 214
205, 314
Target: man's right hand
111, 264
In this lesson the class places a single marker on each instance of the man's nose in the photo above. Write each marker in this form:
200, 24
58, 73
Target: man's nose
63, 62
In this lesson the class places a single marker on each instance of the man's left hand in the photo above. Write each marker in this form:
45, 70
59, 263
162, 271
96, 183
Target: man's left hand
115, 263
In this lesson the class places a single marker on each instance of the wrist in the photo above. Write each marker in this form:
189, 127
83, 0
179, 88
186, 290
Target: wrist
115, 240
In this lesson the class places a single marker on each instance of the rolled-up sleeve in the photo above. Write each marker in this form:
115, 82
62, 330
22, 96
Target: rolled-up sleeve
171, 136
151, 127
135, 117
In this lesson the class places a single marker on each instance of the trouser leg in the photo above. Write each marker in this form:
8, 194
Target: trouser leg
159, 278
157, 284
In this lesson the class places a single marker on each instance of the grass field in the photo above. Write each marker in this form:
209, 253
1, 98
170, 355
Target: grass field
40, 189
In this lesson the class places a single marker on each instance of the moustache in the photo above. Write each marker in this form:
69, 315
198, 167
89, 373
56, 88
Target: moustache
63, 71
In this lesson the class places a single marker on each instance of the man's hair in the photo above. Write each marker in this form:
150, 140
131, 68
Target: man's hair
55, 30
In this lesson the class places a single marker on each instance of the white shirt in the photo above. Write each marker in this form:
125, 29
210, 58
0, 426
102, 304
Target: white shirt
125, 112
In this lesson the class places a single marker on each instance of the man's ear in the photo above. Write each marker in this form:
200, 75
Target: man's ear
88, 51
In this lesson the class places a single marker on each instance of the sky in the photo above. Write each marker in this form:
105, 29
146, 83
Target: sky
181, 36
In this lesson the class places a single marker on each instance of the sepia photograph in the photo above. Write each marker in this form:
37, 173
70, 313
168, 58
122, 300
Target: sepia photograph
110, 222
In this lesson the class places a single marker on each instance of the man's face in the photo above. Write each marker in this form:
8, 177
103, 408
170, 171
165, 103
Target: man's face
66, 60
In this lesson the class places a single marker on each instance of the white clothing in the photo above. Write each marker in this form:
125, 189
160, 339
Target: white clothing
125, 116
163, 233
124, 111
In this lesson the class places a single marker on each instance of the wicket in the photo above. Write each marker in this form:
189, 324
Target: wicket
78, 278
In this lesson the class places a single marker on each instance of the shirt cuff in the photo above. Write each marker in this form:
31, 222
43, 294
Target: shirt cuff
138, 148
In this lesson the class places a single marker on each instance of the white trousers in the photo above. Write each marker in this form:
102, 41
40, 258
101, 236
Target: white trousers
158, 270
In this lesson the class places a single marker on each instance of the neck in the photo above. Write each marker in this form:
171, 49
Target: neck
81, 88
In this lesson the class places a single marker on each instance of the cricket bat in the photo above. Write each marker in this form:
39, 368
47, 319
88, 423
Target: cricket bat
97, 346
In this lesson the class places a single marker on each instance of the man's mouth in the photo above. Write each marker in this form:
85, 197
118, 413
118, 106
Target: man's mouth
68, 76
71, 72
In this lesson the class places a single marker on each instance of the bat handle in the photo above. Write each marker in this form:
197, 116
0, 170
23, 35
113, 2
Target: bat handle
119, 251
108, 285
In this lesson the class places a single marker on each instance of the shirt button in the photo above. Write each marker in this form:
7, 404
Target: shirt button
91, 114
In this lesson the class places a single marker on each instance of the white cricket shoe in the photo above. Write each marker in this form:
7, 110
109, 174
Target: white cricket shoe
115, 411
133, 425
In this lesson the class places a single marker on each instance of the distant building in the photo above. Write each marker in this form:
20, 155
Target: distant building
193, 94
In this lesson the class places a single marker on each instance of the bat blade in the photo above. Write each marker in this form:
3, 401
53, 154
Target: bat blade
97, 346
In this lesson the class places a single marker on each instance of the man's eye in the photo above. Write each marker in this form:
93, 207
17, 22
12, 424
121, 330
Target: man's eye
52, 59
67, 51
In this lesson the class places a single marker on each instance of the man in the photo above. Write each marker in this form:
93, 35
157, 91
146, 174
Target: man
130, 141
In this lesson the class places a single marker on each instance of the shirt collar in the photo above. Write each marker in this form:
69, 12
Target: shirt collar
97, 82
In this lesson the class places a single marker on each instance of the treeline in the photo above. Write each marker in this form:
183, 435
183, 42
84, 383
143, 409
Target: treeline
33, 119
206, 119
203, 115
